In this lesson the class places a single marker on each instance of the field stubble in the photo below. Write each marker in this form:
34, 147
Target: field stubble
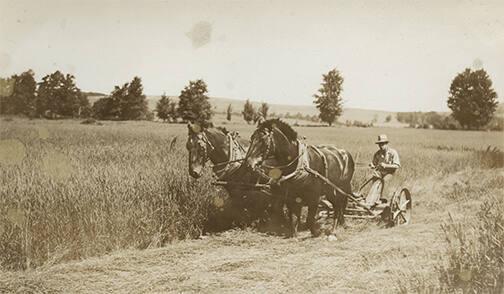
77, 191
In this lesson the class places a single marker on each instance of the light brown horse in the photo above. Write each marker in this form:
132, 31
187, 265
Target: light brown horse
276, 139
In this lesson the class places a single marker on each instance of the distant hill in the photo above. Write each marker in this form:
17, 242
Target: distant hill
220, 105
352, 114
364, 115
93, 94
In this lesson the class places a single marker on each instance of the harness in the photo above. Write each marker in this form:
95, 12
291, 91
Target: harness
324, 159
303, 169
233, 151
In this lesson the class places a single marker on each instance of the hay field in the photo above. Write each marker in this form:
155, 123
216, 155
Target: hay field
89, 208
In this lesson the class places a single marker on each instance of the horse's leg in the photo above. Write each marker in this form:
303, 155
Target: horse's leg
310, 219
339, 212
343, 200
277, 209
333, 198
238, 208
339, 202
294, 217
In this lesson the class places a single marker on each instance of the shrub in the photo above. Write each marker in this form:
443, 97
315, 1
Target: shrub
89, 121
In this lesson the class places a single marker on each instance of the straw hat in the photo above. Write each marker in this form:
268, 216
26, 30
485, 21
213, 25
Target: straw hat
382, 139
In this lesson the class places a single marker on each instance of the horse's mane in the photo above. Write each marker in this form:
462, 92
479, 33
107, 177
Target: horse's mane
203, 125
285, 128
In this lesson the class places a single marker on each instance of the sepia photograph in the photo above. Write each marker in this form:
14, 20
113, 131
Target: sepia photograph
266, 146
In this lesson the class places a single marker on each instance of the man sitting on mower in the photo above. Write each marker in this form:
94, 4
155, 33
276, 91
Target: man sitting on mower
385, 162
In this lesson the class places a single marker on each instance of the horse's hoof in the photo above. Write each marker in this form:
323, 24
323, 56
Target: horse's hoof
331, 238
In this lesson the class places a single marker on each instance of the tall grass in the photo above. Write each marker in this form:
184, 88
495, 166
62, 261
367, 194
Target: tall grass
84, 192
475, 251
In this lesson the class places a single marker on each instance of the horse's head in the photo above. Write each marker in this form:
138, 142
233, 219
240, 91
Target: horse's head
199, 147
262, 146
271, 140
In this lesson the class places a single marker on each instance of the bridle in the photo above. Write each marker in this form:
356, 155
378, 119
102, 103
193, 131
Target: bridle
205, 145
270, 147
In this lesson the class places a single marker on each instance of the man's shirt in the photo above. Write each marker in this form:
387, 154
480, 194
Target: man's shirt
389, 157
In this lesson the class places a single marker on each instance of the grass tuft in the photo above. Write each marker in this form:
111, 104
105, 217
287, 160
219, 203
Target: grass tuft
475, 251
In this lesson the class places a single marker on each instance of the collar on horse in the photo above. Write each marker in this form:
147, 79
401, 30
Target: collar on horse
302, 167
301, 159
234, 149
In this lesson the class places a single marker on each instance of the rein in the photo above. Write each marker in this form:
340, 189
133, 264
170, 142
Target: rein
285, 165
227, 162
231, 153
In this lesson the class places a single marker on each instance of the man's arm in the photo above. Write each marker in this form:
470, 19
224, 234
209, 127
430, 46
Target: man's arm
374, 163
395, 162
389, 165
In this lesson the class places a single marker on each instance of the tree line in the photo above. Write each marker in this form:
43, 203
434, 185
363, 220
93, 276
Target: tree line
55, 96
471, 98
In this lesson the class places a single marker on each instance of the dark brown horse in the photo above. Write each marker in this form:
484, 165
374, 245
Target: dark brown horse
276, 139
218, 145
226, 154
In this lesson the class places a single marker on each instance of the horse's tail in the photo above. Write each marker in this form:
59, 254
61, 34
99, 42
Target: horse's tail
345, 166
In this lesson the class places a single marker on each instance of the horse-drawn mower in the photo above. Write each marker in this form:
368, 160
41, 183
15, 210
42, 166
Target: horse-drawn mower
392, 211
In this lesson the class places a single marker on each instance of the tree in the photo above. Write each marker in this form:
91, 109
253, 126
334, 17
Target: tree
472, 99
388, 118
124, 103
6, 89
173, 112
22, 98
163, 107
328, 99
263, 110
102, 108
229, 112
194, 104
248, 112
115, 104
18, 94
59, 96
134, 103
6, 86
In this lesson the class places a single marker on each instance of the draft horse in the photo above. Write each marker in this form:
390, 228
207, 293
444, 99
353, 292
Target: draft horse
221, 147
226, 153
276, 139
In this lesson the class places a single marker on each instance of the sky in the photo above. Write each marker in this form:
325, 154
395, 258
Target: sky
393, 55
